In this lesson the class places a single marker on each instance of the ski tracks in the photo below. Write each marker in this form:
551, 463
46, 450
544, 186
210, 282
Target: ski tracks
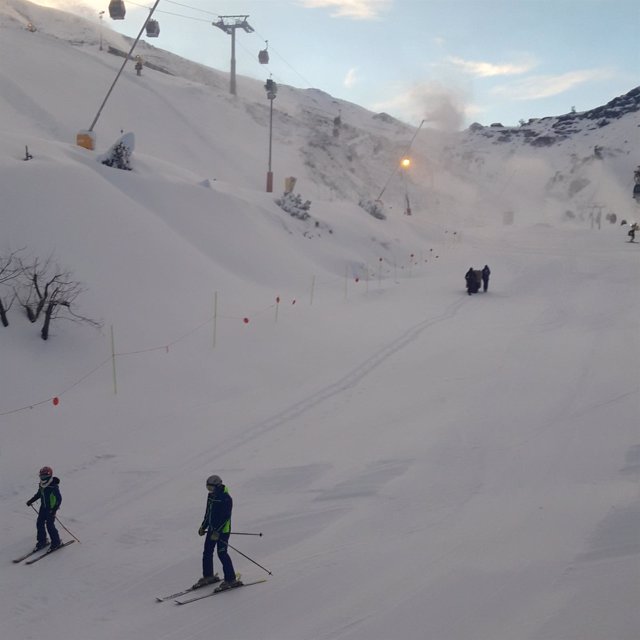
343, 384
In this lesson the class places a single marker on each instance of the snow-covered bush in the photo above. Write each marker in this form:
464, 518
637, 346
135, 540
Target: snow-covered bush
293, 205
373, 207
119, 156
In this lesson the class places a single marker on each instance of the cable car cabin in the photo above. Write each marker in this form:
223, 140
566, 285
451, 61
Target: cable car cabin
117, 9
263, 57
153, 29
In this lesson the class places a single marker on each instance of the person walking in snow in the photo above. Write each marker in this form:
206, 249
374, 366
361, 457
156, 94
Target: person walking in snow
216, 526
472, 281
486, 272
50, 499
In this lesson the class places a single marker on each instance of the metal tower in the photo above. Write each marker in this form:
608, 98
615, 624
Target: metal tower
229, 24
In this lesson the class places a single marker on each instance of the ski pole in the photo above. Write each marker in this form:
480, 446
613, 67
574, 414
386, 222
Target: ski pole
239, 533
248, 558
60, 523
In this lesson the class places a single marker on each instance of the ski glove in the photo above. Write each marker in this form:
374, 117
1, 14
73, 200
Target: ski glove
201, 531
215, 535
29, 503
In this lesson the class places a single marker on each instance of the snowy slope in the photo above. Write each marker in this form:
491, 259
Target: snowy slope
422, 464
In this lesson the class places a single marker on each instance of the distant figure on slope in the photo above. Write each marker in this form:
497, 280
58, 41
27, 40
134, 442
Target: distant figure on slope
50, 499
632, 232
486, 272
216, 525
472, 281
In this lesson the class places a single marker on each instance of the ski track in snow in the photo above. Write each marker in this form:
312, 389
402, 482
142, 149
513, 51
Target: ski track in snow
343, 384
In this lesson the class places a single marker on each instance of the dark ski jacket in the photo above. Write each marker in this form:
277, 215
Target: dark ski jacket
486, 272
49, 496
217, 516
472, 281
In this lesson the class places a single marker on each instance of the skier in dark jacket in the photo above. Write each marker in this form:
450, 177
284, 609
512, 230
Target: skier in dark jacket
216, 525
486, 272
50, 499
472, 281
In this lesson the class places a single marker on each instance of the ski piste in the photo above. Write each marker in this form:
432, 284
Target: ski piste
183, 592
49, 552
218, 591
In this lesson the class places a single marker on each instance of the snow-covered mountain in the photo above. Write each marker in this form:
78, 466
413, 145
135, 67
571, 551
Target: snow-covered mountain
422, 463
555, 164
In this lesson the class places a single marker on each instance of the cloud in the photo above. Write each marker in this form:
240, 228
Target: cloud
357, 9
538, 87
350, 79
440, 107
488, 69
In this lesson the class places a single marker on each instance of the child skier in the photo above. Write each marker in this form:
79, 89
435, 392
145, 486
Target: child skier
50, 499
216, 524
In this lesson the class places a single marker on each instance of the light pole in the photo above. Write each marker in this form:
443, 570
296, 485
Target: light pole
405, 163
101, 14
271, 89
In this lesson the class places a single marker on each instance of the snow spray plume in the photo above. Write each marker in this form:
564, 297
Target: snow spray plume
86, 8
442, 108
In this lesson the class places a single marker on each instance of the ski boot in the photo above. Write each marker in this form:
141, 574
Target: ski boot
205, 580
224, 585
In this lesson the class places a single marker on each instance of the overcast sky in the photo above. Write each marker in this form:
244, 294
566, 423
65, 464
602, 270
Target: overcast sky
493, 60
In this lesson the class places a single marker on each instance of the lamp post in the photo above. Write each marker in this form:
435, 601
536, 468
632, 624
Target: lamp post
405, 163
271, 89
100, 15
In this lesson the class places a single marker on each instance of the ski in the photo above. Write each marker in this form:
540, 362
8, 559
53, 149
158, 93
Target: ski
217, 591
173, 596
49, 552
28, 555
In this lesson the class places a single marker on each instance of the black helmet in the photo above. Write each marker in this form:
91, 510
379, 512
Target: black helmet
213, 481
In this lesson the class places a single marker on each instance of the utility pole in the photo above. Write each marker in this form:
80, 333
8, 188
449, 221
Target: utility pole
272, 90
100, 15
229, 24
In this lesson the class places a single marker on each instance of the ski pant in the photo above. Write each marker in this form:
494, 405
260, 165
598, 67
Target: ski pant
485, 284
223, 555
47, 520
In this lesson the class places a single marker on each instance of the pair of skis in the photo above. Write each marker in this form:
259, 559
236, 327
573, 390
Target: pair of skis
215, 592
42, 555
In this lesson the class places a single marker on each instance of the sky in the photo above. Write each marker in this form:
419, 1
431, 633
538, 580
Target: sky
421, 463
492, 60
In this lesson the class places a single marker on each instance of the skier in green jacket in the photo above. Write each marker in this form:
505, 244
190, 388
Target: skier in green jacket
216, 525
50, 499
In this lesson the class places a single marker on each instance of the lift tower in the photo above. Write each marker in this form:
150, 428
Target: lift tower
229, 24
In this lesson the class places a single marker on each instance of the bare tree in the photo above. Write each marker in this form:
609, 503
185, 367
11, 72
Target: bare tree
48, 290
9, 271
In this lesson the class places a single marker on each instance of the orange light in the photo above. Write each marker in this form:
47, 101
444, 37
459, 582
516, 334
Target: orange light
405, 163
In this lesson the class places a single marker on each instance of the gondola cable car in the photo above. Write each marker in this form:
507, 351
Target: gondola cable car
117, 9
153, 29
263, 55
